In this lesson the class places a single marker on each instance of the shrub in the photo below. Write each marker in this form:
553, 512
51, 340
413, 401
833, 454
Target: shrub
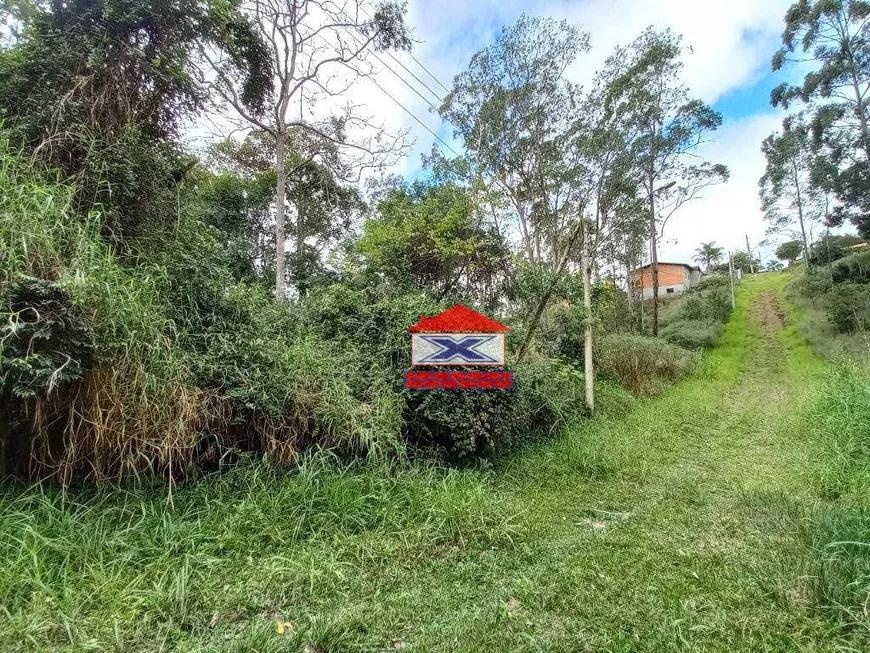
565, 337
855, 268
714, 281
813, 284
848, 306
642, 364
467, 425
692, 334
131, 366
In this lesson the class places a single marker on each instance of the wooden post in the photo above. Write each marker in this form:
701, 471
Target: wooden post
731, 279
749, 251
588, 367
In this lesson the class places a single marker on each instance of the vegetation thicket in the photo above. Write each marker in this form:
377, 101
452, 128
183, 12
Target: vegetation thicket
164, 314
238, 319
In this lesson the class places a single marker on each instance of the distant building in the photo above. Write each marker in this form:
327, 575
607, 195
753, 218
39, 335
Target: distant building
674, 279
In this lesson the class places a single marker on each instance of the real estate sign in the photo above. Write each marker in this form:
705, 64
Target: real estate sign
458, 337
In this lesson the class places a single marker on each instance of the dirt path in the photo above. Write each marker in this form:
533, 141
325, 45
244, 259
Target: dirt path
669, 529
674, 526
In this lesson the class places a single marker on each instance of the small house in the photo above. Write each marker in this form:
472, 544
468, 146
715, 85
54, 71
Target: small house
674, 279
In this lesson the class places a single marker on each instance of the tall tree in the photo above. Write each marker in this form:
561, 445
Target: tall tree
670, 128
708, 254
425, 235
324, 206
512, 108
835, 36
790, 250
319, 50
788, 196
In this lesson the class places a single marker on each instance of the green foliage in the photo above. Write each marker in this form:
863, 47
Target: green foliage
829, 40
848, 306
547, 394
425, 235
564, 336
742, 261
698, 322
98, 89
642, 364
791, 201
160, 357
692, 333
714, 281
708, 255
854, 267
789, 251
831, 248
46, 343
838, 530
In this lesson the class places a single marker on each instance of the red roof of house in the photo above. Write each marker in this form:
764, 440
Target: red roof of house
458, 319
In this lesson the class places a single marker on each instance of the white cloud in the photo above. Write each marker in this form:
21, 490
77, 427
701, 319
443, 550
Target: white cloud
731, 44
729, 212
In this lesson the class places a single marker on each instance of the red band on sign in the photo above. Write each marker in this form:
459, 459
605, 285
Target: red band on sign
426, 380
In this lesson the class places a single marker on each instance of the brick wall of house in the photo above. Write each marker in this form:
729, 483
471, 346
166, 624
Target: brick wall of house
669, 275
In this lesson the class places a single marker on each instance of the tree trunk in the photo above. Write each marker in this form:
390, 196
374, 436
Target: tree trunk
654, 256
800, 208
280, 240
300, 246
862, 111
588, 365
542, 304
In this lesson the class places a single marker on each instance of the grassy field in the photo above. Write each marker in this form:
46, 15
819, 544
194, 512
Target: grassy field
710, 518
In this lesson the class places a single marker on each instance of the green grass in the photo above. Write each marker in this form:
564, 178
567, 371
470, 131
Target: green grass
683, 522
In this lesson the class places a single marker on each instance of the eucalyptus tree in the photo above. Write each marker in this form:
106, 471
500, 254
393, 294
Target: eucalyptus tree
833, 36
319, 50
788, 195
647, 89
512, 108
325, 206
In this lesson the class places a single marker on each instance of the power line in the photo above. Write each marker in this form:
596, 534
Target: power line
402, 106
402, 79
419, 63
390, 54
410, 113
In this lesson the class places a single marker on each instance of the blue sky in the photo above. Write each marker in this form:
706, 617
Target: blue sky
746, 101
731, 42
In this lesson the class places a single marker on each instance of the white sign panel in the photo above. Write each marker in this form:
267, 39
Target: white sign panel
457, 349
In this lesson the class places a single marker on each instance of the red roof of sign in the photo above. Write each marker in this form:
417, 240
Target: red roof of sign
458, 319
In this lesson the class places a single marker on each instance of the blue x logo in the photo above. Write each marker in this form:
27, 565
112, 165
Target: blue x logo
458, 350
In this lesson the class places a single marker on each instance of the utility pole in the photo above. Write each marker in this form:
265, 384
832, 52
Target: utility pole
588, 368
731, 279
749, 251
654, 257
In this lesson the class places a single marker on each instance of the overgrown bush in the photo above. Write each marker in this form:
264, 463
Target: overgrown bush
713, 305
692, 334
848, 306
465, 425
564, 335
855, 268
148, 366
642, 364
709, 281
